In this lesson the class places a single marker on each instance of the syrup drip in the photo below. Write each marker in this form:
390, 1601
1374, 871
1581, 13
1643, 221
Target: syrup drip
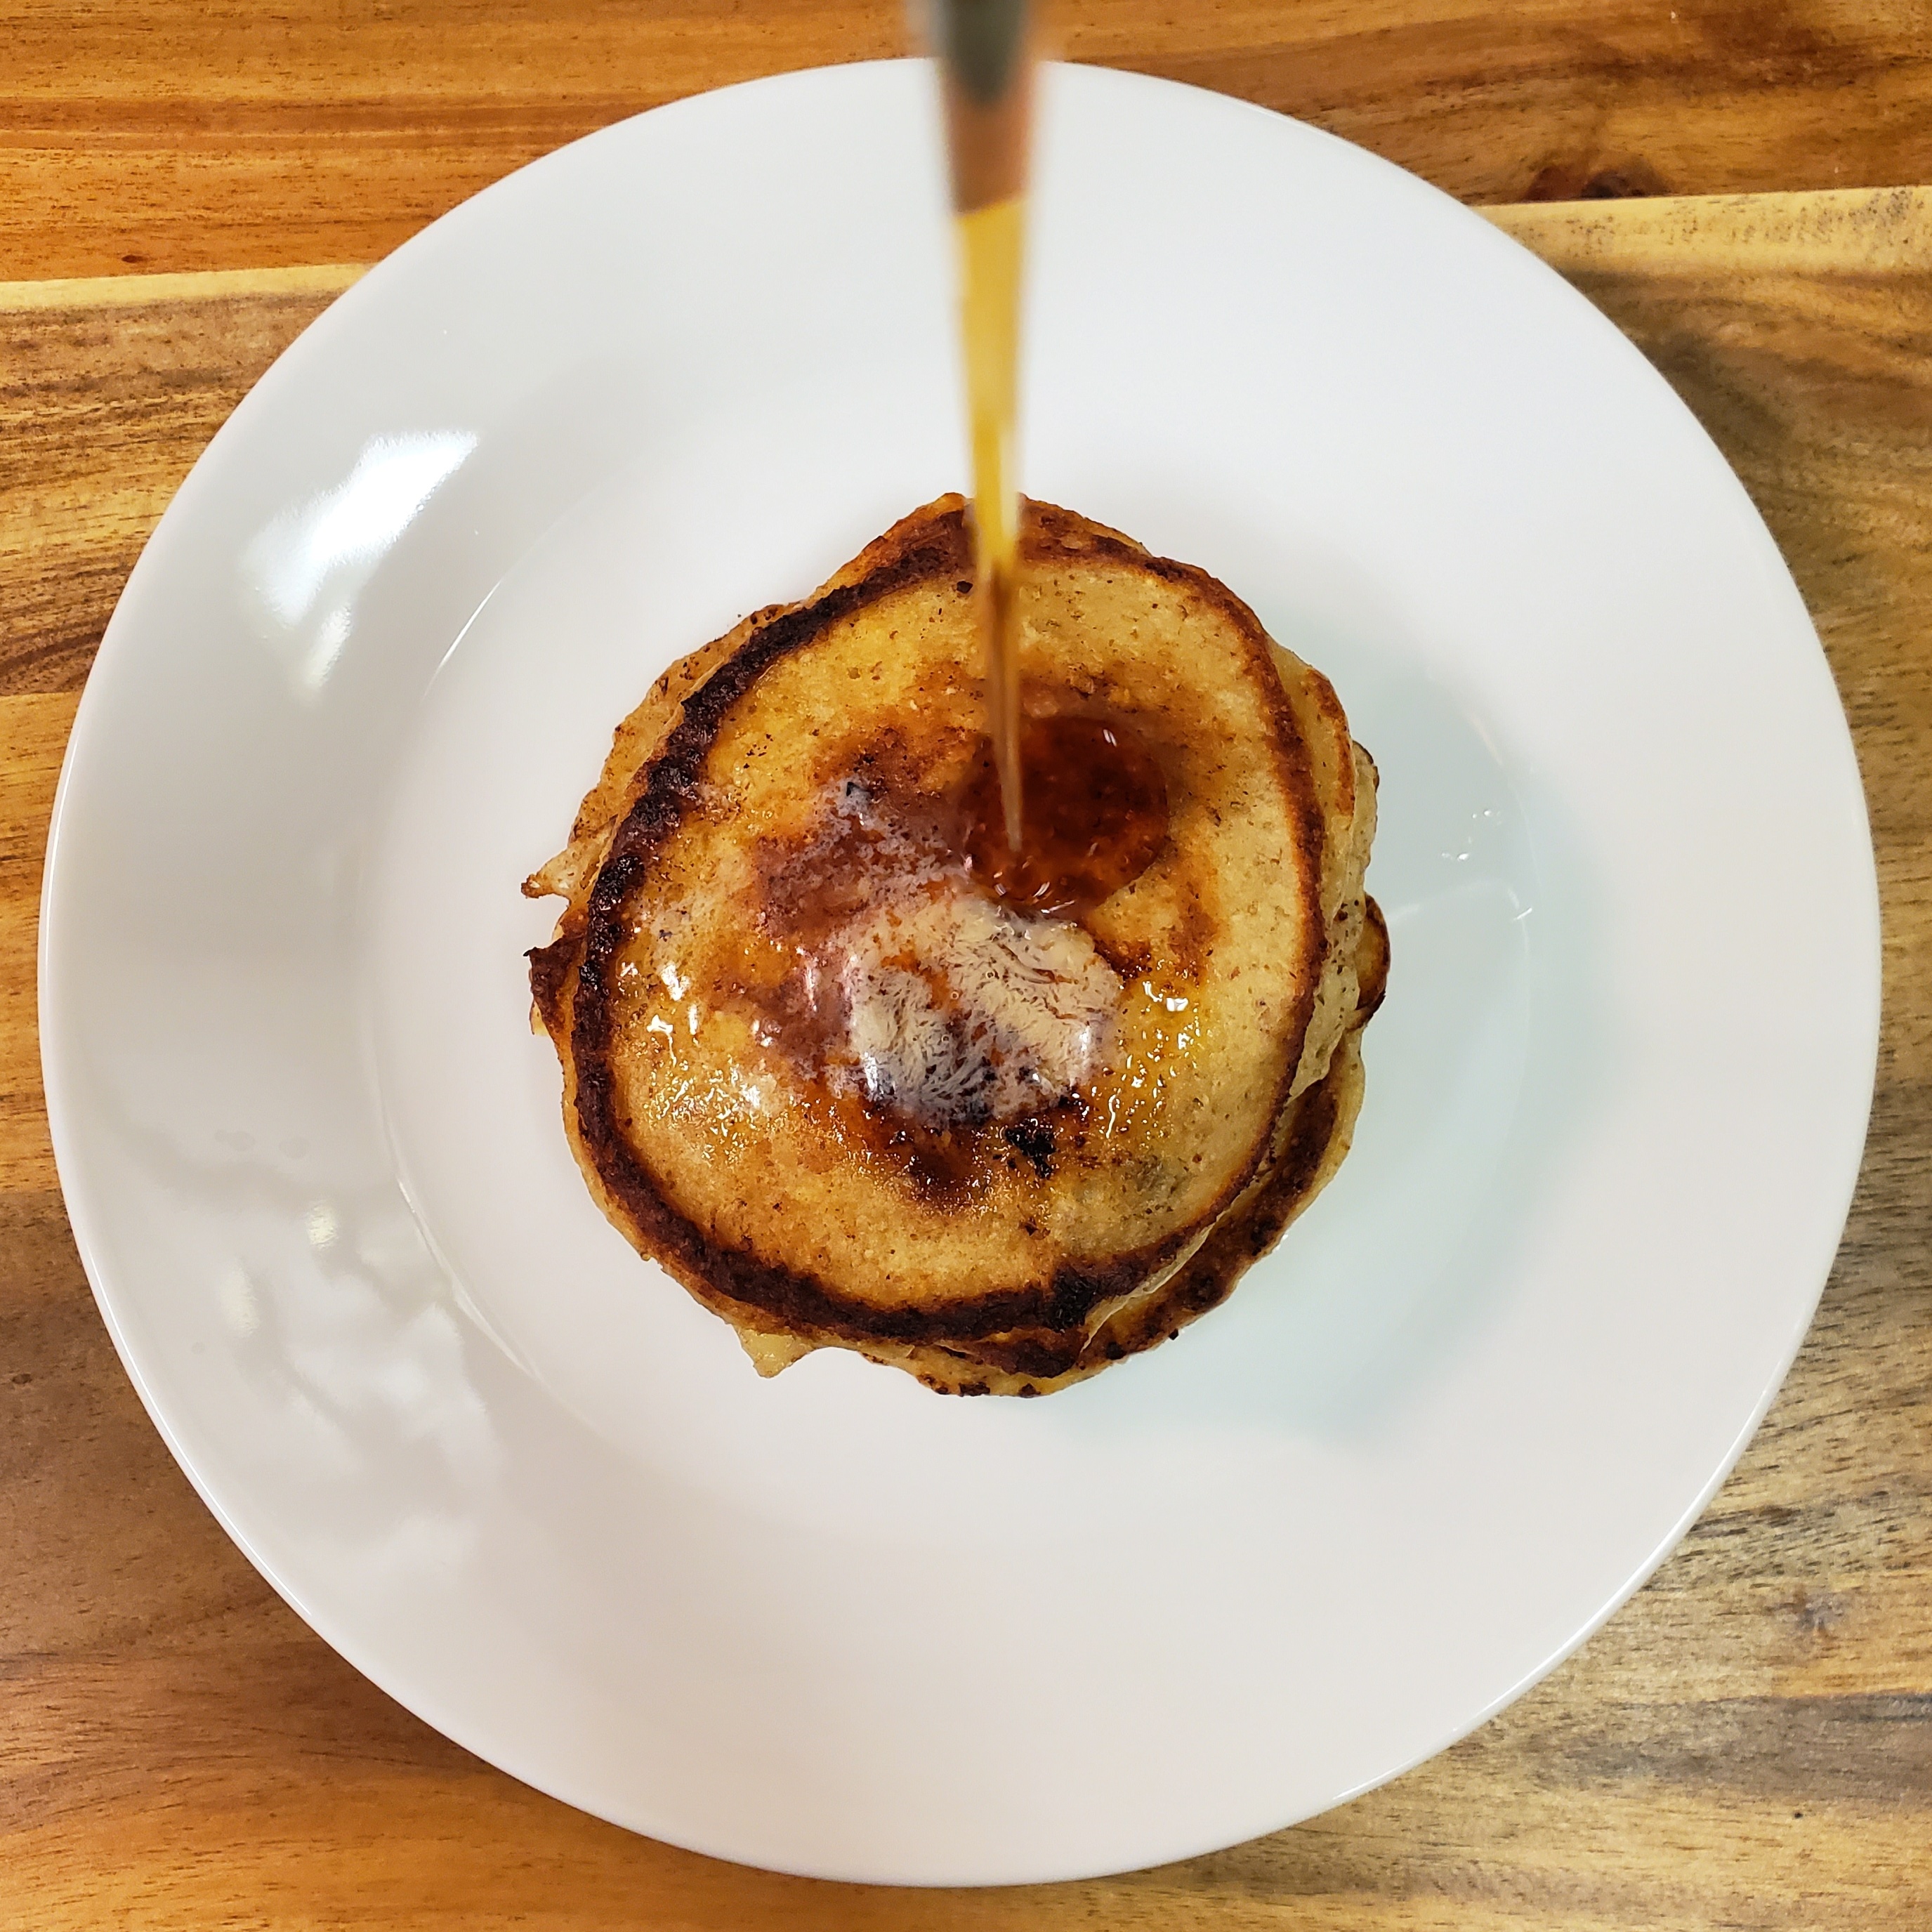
990, 241
986, 66
1096, 816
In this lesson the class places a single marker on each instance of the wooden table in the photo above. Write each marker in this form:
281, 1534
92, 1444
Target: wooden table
1749, 1743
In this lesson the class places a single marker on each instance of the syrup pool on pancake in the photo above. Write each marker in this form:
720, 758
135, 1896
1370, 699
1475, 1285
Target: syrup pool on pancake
926, 979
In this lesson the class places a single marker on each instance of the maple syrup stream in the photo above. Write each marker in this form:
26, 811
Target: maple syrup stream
1098, 805
991, 240
986, 73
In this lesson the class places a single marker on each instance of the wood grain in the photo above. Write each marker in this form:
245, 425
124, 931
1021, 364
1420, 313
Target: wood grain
108, 393
188, 134
1748, 1744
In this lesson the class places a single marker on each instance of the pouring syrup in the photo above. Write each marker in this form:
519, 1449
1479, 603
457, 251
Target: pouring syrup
1099, 806
986, 67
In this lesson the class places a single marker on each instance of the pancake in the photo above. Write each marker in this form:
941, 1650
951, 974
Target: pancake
856, 1076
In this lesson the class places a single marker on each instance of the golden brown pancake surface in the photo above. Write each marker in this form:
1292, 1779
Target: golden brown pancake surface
855, 1078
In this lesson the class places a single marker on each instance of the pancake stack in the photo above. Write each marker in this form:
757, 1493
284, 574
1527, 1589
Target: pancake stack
859, 1077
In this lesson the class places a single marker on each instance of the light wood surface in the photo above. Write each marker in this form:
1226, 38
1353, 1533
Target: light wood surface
184, 134
1748, 1743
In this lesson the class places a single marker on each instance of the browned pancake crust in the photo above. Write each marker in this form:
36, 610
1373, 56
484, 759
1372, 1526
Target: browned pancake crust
1025, 1339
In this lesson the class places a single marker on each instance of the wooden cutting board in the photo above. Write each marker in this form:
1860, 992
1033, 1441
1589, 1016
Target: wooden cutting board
1748, 1743
182, 134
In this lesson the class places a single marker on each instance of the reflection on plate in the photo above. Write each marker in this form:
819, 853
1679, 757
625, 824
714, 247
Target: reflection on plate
833, 1624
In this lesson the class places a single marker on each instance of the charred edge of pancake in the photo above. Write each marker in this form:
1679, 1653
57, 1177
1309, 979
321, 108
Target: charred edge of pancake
551, 968
1371, 955
1041, 1323
1293, 1177
1209, 1279
1211, 1276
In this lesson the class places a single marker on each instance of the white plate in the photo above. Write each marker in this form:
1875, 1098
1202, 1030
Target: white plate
834, 1624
